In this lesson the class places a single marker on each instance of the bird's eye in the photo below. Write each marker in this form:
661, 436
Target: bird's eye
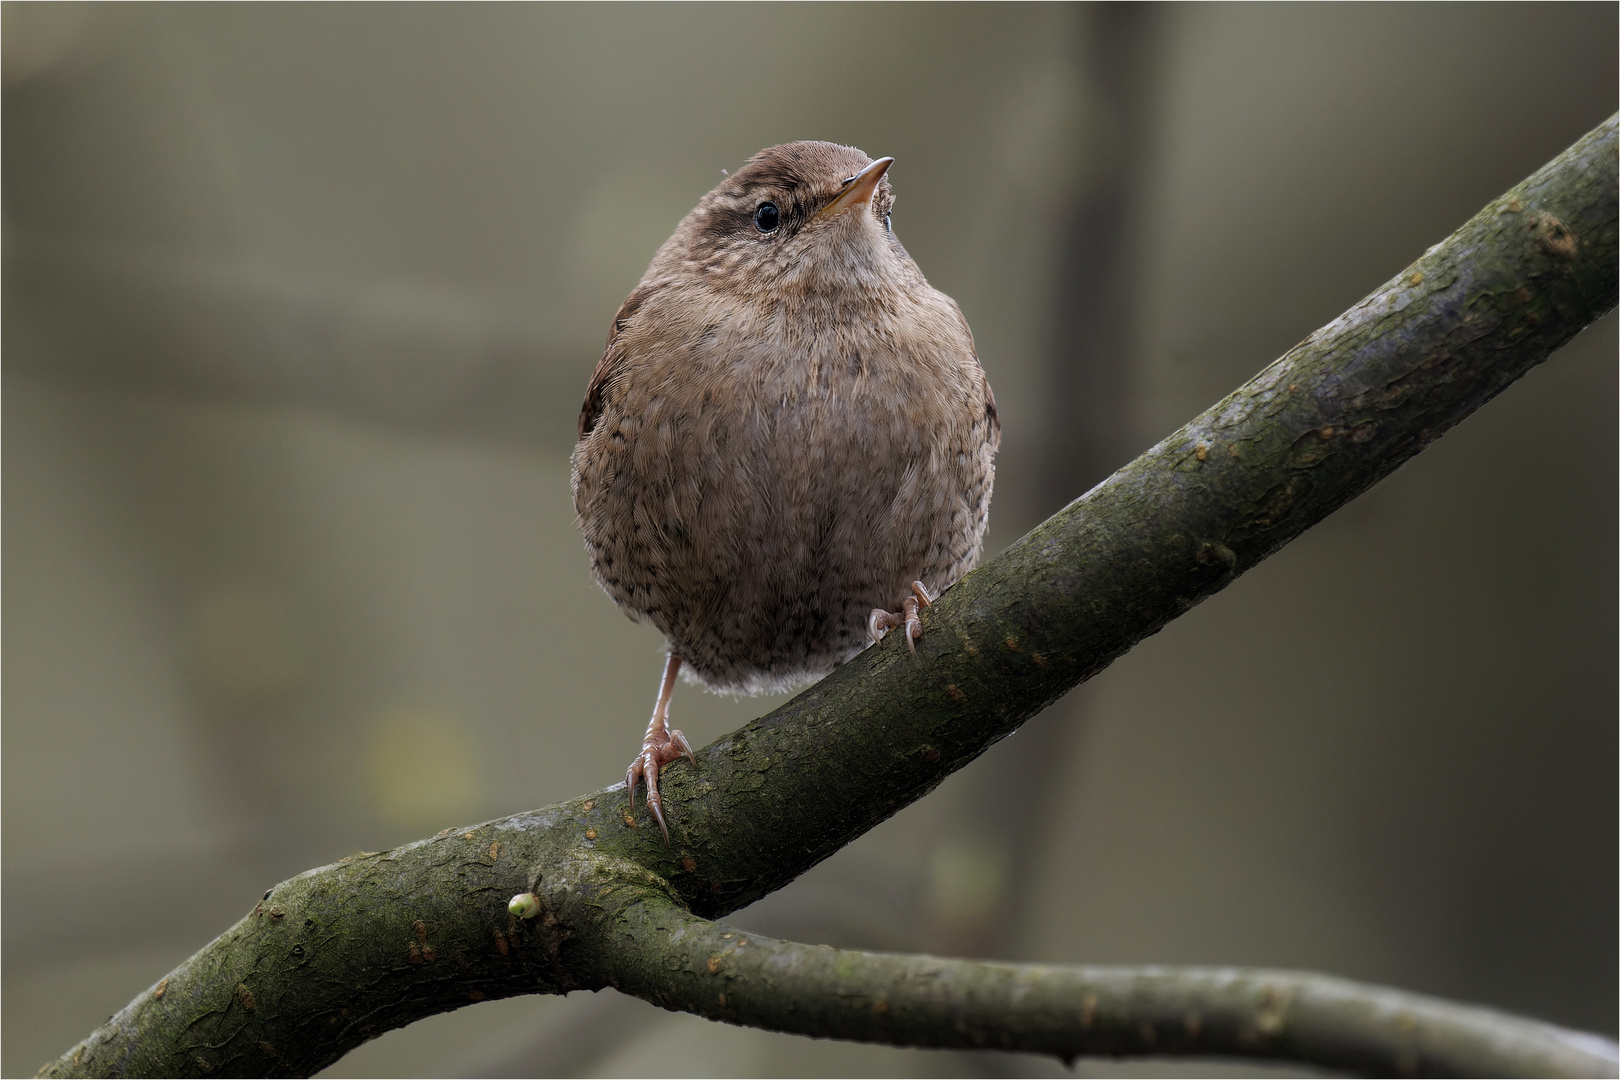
766, 218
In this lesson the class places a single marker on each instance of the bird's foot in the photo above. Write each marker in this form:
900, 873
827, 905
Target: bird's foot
880, 622
657, 750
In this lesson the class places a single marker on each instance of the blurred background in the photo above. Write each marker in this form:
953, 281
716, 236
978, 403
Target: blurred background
299, 305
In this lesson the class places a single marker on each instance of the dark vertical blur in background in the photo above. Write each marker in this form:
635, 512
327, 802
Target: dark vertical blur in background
299, 305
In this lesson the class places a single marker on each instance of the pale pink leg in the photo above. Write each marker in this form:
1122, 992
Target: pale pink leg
658, 747
881, 622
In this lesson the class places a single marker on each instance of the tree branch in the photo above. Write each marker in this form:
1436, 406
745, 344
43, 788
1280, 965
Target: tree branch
340, 954
674, 959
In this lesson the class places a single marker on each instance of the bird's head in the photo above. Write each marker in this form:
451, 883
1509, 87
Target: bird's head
807, 217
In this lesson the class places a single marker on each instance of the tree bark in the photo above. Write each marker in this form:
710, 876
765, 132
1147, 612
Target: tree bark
341, 954
718, 971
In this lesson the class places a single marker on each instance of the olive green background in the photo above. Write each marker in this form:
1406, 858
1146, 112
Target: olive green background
300, 302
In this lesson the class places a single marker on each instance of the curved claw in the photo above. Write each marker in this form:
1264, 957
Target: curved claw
881, 622
655, 754
646, 767
656, 804
913, 623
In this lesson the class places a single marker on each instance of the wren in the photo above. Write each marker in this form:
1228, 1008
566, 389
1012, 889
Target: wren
788, 432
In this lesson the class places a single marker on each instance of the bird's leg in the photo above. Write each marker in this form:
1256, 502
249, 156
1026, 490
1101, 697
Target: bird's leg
659, 746
881, 622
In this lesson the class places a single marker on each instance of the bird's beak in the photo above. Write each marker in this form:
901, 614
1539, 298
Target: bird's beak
858, 189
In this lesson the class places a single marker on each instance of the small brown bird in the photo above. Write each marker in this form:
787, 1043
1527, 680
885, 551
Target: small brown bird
788, 431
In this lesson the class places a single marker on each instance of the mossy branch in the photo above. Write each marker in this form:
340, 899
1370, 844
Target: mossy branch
341, 954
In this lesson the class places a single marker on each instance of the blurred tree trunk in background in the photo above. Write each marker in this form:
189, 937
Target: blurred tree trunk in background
1084, 433
1086, 429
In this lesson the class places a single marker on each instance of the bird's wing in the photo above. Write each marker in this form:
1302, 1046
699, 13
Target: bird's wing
990, 411
611, 364
990, 415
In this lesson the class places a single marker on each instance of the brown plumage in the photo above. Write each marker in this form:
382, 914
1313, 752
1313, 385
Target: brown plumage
788, 428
